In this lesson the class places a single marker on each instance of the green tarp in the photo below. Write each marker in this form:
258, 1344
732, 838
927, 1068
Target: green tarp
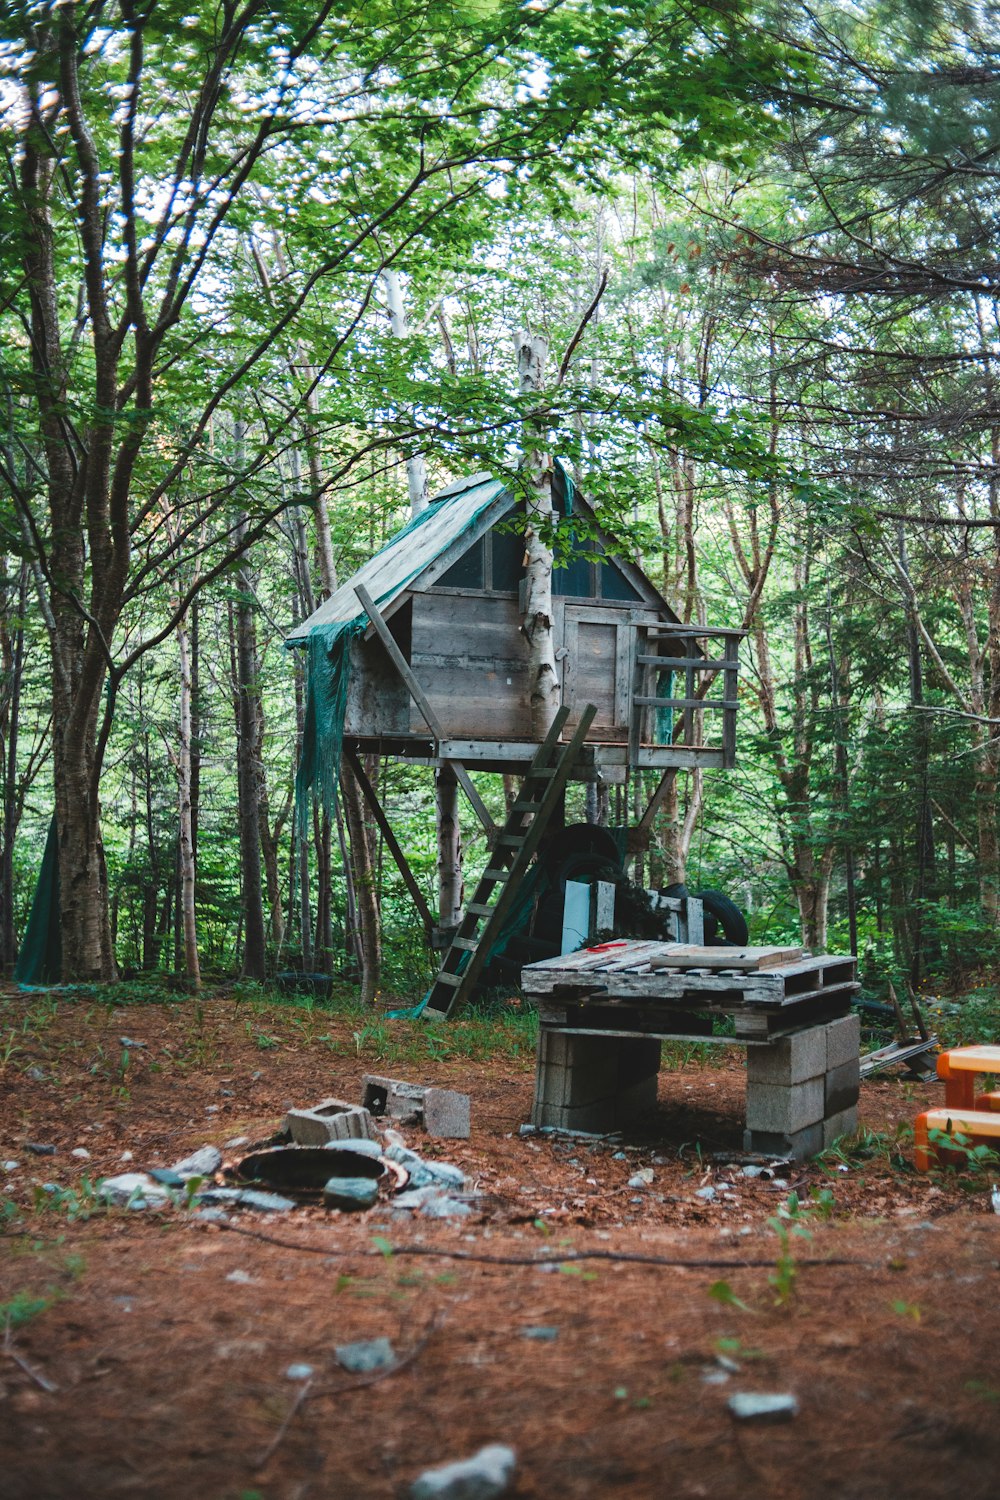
39, 959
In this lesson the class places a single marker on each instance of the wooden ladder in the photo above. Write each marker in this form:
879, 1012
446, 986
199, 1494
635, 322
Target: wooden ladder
513, 850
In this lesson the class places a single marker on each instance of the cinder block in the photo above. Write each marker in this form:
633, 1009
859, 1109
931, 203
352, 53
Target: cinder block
785, 1110
329, 1120
447, 1114
402, 1102
789, 1059
844, 1123
597, 1084
843, 1040
843, 1085
799, 1144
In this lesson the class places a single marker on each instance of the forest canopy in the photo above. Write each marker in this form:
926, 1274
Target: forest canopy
264, 275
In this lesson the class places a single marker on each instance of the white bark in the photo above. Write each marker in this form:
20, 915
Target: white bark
537, 619
416, 469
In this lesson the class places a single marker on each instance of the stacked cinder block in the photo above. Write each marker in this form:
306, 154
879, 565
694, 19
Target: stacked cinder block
442, 1112
593, 1083
802, 1089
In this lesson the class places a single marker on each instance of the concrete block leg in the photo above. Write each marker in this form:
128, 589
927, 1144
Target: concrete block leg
593, 1082
802, 1090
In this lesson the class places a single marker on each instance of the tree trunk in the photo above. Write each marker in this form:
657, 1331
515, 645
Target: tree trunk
416, 468
248, 781
451, 891
192, 968
365, 894
537, 616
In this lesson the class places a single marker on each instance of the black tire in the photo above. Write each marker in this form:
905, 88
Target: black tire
727, 916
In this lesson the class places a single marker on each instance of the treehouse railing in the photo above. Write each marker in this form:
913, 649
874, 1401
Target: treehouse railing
696, 725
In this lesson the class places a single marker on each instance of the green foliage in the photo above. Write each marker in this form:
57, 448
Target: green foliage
22, 1308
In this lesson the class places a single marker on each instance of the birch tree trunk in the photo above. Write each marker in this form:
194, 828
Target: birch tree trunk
249, 773
416, 468
537, 617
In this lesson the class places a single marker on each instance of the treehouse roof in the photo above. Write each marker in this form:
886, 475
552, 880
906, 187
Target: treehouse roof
421, 553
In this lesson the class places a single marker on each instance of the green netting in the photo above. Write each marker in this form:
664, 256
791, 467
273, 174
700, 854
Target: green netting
39, 959
328, 674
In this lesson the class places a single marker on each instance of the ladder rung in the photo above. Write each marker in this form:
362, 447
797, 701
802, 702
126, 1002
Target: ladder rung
495, 875
468, 945
521, 807
510, 840
547, 771
478, 909
453, 979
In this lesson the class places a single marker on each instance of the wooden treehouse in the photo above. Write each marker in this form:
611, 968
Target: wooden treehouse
437, 674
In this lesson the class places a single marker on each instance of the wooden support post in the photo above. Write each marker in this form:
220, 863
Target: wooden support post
449, 848
419, 901
637, 838
420, 699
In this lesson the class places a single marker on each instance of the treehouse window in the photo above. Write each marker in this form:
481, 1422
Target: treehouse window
469, 571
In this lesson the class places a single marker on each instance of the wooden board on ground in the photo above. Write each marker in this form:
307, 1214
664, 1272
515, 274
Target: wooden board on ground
691, 955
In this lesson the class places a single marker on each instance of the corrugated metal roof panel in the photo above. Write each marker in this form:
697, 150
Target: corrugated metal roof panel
406, 555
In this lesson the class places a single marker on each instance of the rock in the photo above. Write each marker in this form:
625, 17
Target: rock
542, 1332
133, 1190
752, 1407
202, 1163
365, 1355
81, 1152
219, 1195
208, 1216
268, 1203
36, 1075
128, 1156
237, 1140
440, 1206
708, 1194
426, 1173
642, 1178
127, 1041
447, 1114
358, 1148
752, 1171
37, 1149
619, 1156
349, 1194
483, 1477
242, 1278
298, 1372
168, 1178
11, 1166
524, 1130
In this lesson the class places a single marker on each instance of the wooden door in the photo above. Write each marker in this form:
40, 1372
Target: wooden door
597, 666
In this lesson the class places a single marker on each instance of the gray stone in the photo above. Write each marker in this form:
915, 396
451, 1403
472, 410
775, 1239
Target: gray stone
128, 1041
365, 1355
360, 1147
133, 1189
11, 1166
843, 1086
843, 1040
329, 1120
753, 1407
81, 1152
219, 1195
350, 1194
789, 1059
447, 1114
299, 1372
440, 1206
708, 1193
268, 1203
543, 1333
209, 1216
426, 1173
37, 1149
241, 1278
36, 1075
167, 1178
780, 1110
485, 1476
642, 1178
202, 1163
524, 1130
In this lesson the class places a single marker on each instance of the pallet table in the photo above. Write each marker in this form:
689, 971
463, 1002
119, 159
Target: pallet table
604, 1012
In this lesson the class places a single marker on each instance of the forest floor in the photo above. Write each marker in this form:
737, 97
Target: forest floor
146, 1353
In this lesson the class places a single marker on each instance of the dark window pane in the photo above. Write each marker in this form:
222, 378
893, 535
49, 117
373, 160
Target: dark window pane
467, 572
508, 558
614, 584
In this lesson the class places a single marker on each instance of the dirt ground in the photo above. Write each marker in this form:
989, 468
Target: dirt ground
147, 1353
